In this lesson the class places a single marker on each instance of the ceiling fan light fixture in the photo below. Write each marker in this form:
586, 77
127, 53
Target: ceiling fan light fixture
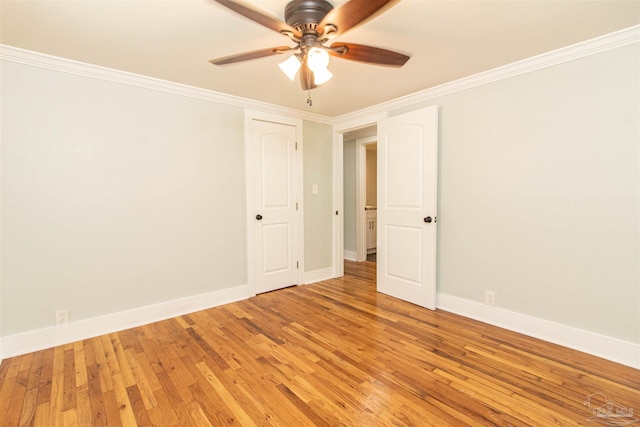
310, 24
318, 60
321, 75
290, 66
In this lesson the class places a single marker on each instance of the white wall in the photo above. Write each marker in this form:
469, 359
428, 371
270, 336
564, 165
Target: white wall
114, 197
540, 194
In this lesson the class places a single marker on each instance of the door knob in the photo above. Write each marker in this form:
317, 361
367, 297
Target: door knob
258, 217
428, 219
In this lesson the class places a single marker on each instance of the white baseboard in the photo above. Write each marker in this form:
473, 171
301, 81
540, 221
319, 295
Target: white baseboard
612, 349
14, 345
608, 348
350, 255
318, 275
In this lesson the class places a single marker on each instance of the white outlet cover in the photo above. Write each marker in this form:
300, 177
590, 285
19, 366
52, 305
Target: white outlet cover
62, 317
490, 298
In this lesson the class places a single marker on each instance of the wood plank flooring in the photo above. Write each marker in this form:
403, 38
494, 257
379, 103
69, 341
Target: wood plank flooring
327, 354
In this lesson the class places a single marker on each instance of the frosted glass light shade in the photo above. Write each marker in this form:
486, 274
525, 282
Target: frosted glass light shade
321, 75
317, 59
290, 66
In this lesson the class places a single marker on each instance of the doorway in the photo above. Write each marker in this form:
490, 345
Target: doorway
406, 203
359, 192
366, 198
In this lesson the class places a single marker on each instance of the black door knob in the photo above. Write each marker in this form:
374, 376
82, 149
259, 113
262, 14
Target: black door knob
258, 217
428, 219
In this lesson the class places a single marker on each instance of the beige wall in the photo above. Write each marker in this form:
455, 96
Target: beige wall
372, 177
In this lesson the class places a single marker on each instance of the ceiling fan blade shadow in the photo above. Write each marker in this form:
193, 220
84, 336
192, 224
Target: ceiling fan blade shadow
368, 54
354, 13
256, 15
247, 56
306, 76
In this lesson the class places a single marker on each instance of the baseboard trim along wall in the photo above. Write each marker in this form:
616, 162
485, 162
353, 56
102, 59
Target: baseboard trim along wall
608, 348
318, 275
612, 349
350, 255
14, 345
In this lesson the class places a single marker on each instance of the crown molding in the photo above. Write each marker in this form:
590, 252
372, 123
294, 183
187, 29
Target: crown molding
54, 63
589, 47
569, 53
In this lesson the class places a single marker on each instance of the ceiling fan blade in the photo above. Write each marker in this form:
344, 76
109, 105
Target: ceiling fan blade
306, 76
256, 15
353, 13
246, 56
369, 54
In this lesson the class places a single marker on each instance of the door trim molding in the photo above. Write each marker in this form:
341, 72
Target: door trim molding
249, 117
338, 184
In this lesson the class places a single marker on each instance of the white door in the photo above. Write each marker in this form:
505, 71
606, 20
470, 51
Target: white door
407, 185
274, 171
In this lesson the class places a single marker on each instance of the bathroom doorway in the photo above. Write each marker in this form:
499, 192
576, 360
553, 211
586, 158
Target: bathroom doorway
368, 190
360, 194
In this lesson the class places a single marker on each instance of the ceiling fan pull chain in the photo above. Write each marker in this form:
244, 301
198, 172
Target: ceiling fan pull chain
309, 100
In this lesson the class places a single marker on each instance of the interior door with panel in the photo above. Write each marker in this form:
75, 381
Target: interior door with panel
407, 198
275, 203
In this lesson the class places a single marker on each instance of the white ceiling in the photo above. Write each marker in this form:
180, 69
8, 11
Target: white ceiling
174, 39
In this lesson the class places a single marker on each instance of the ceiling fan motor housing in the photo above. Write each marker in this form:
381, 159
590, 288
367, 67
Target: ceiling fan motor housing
304, 15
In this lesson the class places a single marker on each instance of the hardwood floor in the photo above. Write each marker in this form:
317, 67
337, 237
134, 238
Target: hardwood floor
331, 353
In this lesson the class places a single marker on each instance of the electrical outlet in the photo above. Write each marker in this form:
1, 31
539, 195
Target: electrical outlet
62, 317
490, 298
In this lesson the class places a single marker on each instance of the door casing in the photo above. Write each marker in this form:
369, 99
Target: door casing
338, 183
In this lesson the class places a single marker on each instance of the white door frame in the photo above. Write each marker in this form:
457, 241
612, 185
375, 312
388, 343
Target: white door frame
249, 117
338, 204
361, 195
338, 183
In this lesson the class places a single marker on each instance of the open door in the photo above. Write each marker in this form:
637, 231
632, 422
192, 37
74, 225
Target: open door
407, 206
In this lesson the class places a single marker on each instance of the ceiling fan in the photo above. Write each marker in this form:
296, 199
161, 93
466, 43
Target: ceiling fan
310, 24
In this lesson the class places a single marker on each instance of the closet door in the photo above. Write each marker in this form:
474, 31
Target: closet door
275, 216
